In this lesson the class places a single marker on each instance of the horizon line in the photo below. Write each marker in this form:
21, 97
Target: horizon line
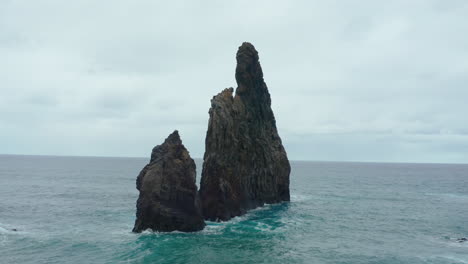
200, 158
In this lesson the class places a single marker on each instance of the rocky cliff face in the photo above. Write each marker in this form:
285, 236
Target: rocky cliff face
245, 164
168, 198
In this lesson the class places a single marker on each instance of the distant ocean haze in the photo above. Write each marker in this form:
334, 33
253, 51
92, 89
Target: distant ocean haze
75, 209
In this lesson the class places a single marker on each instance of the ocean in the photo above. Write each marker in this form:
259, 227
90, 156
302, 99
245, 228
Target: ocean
82, 210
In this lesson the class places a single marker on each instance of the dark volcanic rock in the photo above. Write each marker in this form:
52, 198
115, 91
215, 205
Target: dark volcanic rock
168, 194
245, 164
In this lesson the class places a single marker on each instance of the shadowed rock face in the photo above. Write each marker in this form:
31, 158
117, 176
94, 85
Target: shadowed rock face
245, 164
168, 198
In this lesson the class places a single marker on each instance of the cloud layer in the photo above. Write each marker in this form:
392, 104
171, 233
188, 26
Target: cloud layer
350, 80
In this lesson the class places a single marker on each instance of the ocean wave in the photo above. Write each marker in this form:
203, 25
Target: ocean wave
455, 241
301, 198
454, 260
213, 227
456, 197
4, 230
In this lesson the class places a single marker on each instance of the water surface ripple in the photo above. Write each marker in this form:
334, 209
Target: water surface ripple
81, 210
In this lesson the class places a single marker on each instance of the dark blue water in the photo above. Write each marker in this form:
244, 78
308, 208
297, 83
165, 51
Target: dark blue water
81, 210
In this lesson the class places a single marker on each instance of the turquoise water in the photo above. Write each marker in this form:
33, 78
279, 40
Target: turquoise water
81, 210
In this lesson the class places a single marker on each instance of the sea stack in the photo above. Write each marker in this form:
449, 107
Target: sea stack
168, 198
245, 164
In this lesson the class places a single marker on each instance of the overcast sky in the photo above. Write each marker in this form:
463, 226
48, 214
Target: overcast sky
360, 80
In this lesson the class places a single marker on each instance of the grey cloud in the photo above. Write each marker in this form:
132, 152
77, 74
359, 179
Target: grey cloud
115, 77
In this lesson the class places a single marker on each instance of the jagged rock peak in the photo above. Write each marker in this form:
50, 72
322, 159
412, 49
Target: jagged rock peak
245, 164
172, 139
248, 69
168, 197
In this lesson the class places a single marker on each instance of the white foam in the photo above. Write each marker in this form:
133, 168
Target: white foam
263, 227
455, 197
301, 198
3, 230
452, 258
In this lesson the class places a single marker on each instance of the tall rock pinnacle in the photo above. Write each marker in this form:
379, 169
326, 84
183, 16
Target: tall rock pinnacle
168, 197
245, 164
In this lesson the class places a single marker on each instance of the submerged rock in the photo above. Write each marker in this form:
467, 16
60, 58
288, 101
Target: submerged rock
168, 193
461, 240
245, 164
